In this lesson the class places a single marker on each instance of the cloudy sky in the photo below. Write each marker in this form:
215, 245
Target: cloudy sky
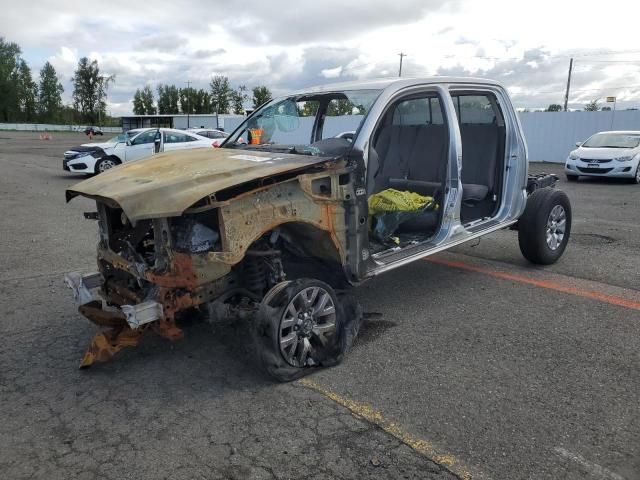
289, 45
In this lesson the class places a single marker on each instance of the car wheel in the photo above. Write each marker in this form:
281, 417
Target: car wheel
545, 226
636, 177
105, 164
300, 327
572, 178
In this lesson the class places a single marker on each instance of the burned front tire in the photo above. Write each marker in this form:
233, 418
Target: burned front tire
545, 226
302, 325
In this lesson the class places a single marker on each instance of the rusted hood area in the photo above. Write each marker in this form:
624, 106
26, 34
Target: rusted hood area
166, 184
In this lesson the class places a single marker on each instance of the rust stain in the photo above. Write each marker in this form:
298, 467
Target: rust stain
181, 273
106, 344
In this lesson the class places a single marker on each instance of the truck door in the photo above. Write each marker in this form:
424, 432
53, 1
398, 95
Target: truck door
413, 150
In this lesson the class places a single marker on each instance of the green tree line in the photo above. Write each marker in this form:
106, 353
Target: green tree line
26, 99
219, 98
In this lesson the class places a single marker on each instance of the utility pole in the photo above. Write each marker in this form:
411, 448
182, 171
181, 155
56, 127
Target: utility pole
188, 101
566, 95
401, 55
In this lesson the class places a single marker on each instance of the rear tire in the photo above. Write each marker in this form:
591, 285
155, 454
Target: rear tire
572, 178
545, 226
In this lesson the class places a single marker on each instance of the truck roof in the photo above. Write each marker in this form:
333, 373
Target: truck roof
395, 83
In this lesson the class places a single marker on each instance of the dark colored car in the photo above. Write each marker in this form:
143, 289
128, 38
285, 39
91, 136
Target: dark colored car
93, 131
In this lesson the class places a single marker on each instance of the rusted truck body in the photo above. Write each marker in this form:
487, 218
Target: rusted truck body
273, 223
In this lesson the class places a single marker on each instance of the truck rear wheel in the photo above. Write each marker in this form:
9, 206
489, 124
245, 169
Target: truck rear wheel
545, 226
300, 327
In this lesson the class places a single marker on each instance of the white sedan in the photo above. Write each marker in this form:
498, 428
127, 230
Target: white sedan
134, 145
606, 154
217, 135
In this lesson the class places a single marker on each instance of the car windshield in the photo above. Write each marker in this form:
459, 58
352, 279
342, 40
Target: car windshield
613, 140
312, 123
121, 138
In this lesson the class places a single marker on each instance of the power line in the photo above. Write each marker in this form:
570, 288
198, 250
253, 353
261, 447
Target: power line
612, 61
591, 89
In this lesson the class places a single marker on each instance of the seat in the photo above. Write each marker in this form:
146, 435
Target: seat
411, 158
480, 144
393, 148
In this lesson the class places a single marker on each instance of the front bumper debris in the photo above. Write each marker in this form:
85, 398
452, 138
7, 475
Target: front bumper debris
122, 326
142, 313
84, 286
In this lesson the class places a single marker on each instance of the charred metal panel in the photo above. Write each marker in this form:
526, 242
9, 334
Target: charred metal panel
248, 217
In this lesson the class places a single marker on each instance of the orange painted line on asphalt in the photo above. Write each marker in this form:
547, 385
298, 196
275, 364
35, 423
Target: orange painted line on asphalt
603, 297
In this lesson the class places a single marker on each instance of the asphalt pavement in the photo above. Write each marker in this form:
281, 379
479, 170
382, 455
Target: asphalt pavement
473, 365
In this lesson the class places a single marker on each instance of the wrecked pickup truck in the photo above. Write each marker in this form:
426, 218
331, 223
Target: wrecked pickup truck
304, 199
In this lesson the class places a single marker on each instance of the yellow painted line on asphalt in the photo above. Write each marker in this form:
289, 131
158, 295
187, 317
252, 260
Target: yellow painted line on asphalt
420, 445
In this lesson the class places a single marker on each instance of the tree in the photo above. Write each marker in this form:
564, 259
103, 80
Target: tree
554, 107
201, 101
261, 95
138, 105
90, 90
592, 106
148, 100
220, 94
168, 98
341, 106
186, 100
27, 91
238, 97
9, 61
605, 109
49, 94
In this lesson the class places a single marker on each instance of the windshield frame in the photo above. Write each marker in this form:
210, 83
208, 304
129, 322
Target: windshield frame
239, 137
612, 134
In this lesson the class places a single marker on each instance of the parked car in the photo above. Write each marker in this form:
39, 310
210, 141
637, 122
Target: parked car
270, 229
217, 135
93, 131
606, 154
95, 158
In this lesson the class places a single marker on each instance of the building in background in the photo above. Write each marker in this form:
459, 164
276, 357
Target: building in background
227, 122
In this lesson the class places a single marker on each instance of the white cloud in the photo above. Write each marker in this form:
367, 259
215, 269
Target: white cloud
525, 45
331, 72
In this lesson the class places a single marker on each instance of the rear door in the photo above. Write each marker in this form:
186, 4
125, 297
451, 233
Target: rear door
179, 141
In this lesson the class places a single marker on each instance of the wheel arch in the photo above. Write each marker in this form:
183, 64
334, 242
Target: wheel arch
308, 251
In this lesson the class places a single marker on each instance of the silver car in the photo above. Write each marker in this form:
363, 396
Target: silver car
606, 154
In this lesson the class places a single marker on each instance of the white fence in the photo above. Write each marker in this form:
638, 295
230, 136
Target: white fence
552, 135
48, 127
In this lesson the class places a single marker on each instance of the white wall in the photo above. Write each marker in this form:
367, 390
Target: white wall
48, 127
552, 135
227, 121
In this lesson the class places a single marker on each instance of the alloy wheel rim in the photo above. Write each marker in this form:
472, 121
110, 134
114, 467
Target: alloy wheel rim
106, 165
556, 227
306, 321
